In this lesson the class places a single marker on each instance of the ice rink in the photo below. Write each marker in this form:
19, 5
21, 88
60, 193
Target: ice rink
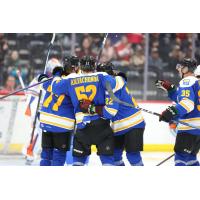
149, 159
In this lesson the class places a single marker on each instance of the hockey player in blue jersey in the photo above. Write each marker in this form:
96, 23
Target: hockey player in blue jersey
187, 109
127, 123
57, 119
91, 128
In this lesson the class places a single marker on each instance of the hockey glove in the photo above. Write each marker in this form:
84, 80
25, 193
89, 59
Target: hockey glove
122, 74
165, 85
84, 105
169, 114
57, 71
87, 106
42, 77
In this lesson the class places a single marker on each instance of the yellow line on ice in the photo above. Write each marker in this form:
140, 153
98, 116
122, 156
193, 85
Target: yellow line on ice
17, 148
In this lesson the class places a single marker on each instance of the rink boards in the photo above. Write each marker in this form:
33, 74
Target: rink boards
15, 127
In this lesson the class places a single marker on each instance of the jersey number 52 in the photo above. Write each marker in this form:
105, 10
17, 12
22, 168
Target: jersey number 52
80, 92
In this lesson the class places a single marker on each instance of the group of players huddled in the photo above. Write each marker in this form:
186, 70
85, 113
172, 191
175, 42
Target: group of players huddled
77, 107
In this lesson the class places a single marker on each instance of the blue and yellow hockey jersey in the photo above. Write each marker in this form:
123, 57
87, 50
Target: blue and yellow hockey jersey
187, 98
123, 118
84, 86
57, 113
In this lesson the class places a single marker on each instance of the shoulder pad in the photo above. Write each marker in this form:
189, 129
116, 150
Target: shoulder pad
72, 75
103, 73
119, 83
188, 81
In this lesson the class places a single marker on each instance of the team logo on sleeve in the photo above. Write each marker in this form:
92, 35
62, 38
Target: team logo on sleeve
186, 82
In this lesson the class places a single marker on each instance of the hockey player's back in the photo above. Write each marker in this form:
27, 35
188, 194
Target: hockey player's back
91, 128
90, 86
57, 113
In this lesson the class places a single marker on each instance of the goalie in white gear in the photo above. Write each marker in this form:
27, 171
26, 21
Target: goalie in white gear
33, 149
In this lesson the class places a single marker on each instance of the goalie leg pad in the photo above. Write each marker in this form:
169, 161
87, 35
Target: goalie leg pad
118, 161
59, 157
46, 157
134, 158
107, 160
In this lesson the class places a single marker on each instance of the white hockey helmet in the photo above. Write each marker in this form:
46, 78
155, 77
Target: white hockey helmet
51, 64
197, 71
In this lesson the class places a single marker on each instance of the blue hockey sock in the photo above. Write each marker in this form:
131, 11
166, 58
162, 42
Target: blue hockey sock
181, 159
79, 161
134, 158
58, 157
107, 160
118, 161
46, 157
69, 157
192, 160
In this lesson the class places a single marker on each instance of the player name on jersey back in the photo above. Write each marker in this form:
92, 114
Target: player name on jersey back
87, 79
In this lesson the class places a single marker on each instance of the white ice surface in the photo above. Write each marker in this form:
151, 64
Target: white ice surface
149, 159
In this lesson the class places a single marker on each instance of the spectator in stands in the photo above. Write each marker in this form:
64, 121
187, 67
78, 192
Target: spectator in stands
13, 64
187, 42
10, 85
108, 53
155, 62
124, 51
3, 51
188, 52
138, 58
175, 56
154, 38
86, 48
135, 38
96, 41
164, 46
181, 36
178, 41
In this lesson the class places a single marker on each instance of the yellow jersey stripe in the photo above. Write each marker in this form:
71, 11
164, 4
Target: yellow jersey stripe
58, 117
128, 118
185, 106
128, 126
112, 111
191, 119
58, 125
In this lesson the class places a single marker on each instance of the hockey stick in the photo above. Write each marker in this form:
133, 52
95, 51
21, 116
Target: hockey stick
33, 141
165, 160
40, 94
20, 79
101, 48
114, 98
23, 89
